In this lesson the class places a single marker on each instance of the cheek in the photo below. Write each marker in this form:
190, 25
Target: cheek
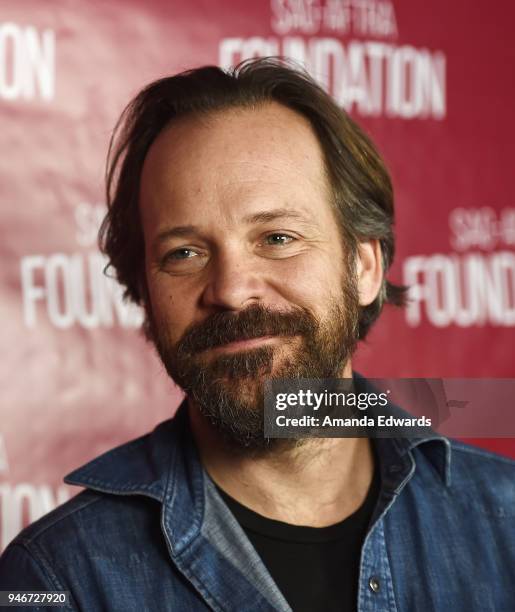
169, 311
311, 281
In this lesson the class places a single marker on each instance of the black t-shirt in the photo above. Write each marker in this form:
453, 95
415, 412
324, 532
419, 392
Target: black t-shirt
315, 568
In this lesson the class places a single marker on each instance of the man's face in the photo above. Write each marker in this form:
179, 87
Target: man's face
246, 273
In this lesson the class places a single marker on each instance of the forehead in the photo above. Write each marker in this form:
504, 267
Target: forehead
232, 158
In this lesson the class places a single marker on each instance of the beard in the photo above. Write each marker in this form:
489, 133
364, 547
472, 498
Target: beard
228, 388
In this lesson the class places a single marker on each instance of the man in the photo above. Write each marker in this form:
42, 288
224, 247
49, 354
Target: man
252, 219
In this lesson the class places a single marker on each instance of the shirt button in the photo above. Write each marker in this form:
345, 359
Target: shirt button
374, 584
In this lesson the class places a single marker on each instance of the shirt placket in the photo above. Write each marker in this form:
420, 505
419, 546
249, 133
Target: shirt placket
375, 592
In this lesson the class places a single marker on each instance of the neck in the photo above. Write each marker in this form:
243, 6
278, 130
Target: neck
316, 483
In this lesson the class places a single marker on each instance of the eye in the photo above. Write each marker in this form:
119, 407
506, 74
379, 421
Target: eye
279, 239
183, 260
181, 254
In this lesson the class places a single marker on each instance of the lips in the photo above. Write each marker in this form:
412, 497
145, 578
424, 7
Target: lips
245, 343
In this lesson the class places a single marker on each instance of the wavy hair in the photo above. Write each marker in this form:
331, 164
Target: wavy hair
362, 193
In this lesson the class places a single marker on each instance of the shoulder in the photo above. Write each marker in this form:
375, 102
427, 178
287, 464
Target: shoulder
472, 461
485, 475
119, 511
469, 477
58, 545
87, 511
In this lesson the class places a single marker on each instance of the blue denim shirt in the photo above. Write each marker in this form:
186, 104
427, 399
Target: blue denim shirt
150, 532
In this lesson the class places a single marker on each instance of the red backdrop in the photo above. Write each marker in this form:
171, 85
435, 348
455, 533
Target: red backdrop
431, 82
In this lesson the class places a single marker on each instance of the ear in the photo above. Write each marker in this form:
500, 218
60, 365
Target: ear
369, 271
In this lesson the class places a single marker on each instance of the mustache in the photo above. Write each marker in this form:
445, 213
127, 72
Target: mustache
253, 322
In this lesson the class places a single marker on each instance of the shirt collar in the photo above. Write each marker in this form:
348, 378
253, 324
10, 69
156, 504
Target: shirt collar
151, 464
141, 466
395, 454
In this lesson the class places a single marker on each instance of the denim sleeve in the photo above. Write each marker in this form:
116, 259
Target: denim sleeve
21, 571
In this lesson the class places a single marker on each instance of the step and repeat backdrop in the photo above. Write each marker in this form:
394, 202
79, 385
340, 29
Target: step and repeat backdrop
432, 83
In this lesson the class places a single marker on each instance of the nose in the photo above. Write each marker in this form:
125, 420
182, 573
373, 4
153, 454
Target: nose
234, 282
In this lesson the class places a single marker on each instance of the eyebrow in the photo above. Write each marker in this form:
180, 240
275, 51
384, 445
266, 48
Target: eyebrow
259, 217
177, 232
